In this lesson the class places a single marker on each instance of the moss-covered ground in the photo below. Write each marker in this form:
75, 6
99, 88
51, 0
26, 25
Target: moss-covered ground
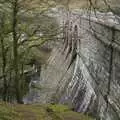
39, 112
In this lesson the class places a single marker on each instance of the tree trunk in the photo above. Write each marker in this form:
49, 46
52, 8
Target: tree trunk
3, 53
15, 53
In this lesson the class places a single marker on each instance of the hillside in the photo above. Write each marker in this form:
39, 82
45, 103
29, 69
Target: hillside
39, 112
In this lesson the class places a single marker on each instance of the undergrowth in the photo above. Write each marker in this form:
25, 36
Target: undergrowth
39, 112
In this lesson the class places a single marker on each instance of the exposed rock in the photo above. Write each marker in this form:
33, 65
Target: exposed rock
91, 83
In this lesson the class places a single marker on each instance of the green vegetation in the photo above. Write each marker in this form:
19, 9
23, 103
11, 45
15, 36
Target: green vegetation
24, 27
7, 112
39, 112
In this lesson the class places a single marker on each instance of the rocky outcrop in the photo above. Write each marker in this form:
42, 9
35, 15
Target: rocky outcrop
83, 70
94, 86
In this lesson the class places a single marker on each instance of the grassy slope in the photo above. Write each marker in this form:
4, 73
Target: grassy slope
39, 112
